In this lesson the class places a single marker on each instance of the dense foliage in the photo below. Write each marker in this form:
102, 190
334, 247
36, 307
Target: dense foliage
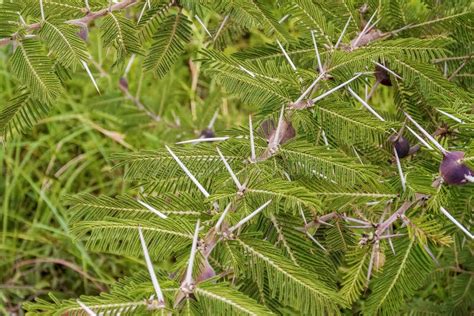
297, 157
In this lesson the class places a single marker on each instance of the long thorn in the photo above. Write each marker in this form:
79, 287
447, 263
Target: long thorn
336, 88
141, 13
364, 30
458, 224
219, 30
343, 32
151, 271
189, 272
309, 88
252, 142
400, 171
247, 71
42, 10
419, 138
203, 25
388, 70
276, 138
371, 264
450, 116
318, 57
221, 218
365, 104
213, 120
316, 242
188, 173
286, 56
129, 65
88, 8
152, 209
249, 217
84, 64
200, 140
427, 135
229, 169
86, 308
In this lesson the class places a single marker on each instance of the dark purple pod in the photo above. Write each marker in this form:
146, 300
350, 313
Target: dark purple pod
83, 33
382, 76
453, 170
207, 133
401, 144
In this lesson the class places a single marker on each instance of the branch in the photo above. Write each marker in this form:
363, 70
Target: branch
90, 16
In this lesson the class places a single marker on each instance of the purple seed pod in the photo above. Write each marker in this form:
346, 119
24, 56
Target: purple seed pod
382, 76
401, 144
123, 83
207, 272
453, 170
83, 33
207, 133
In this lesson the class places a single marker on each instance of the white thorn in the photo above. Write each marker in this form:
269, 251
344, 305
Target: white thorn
336, 88
325, 139
129, 65
364, 30
249, 217
446, 69
318, 57
276, 137
391, 244
387, 69
221, 27
188, 173
149, 3
355, 220
152, 209
189, 272
229, 169
316, 242
302, 215
400, 171
371, 263
84, 64
86, 308
427, 135
419, 138
141, 13
458, 224
151, 271
427, 249
221, 218
469, 178
365, 104
42, 10
309, 88
200, 140
283, 19
343, 32
247, 71
213, 120
22, 20
87, 5
450, 116
203, 25
286, 56
252, 142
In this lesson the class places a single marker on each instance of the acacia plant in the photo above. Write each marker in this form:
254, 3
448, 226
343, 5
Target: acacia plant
341, 183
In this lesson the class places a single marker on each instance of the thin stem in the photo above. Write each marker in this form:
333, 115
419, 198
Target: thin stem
188, 173
151, 271
152, 209
249, 217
